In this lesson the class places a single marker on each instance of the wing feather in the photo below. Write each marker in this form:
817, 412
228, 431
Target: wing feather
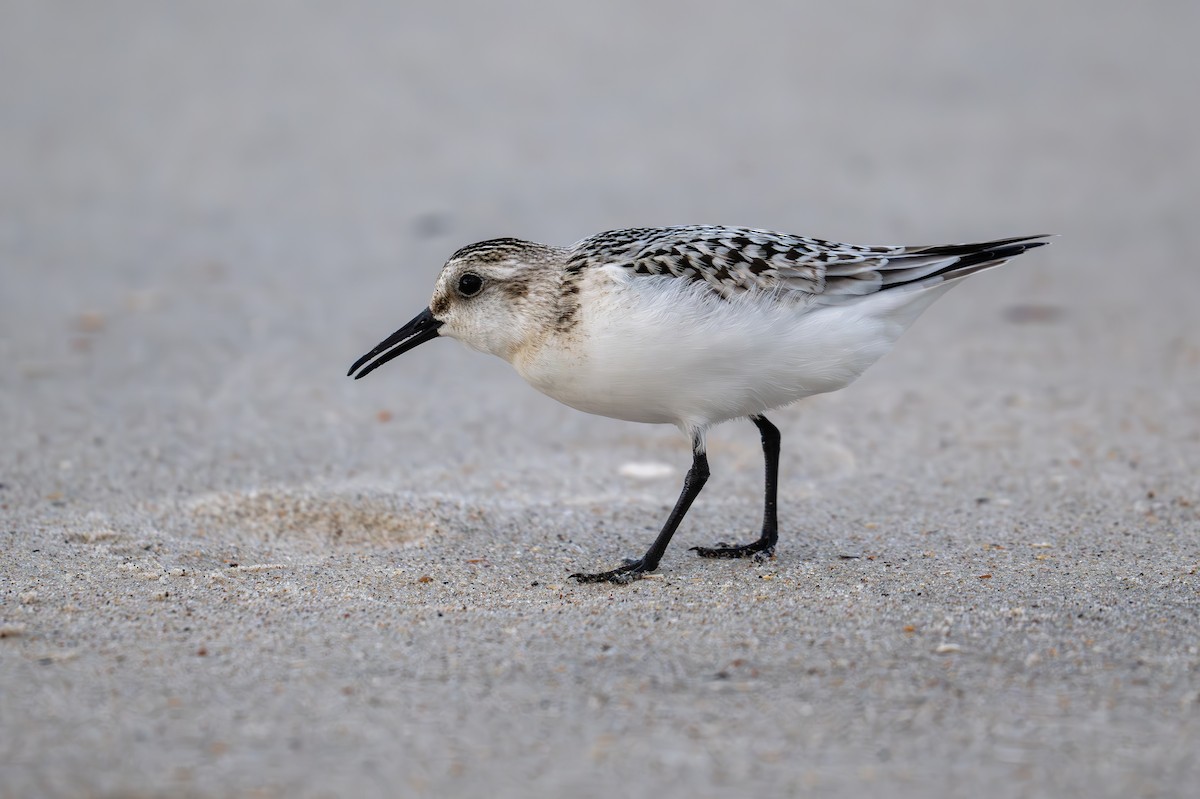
735, 260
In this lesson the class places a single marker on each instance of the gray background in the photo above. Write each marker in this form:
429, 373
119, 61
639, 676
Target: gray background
987, 582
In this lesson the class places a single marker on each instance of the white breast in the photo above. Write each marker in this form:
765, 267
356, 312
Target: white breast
667, 350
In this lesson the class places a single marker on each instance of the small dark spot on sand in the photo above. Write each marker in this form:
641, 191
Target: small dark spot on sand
431, 224
1030, 313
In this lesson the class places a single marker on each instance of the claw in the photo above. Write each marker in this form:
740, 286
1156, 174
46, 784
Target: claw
622, 575
760, 550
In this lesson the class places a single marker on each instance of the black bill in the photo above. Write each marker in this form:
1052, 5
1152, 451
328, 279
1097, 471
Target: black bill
418, 331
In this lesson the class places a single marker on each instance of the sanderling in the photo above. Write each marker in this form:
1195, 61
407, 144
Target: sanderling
690, 326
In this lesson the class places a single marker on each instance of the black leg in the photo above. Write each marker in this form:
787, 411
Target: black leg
764, 547
696, 477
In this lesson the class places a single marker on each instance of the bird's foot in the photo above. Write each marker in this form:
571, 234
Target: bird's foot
622, 575
760, 550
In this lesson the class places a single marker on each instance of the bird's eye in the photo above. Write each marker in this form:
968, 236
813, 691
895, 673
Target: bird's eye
469, 284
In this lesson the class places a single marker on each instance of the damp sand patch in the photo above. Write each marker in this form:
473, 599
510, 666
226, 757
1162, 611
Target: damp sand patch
321, 516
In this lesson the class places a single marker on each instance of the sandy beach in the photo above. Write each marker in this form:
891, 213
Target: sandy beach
228, 570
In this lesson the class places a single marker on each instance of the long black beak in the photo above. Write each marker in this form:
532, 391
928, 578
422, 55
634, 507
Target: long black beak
418, 331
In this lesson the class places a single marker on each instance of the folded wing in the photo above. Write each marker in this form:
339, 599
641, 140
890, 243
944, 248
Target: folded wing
735, 260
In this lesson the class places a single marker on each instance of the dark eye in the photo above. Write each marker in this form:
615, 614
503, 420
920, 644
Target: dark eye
469, 284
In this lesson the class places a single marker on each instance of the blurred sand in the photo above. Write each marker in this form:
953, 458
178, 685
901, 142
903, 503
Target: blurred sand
225, 569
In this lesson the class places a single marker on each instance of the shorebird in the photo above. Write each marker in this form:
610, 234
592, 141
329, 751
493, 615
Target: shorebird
690, 326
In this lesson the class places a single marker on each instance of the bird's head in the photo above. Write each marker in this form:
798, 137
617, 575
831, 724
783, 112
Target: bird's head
495, 296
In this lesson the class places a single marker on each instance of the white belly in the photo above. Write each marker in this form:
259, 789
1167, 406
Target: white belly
665, 350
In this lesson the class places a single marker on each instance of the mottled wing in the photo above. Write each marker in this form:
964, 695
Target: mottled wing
735, 260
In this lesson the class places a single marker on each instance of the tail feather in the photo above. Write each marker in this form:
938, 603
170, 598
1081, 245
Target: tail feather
929, 266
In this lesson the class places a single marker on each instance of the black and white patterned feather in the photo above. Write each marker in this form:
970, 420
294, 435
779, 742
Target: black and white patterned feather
732, 260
